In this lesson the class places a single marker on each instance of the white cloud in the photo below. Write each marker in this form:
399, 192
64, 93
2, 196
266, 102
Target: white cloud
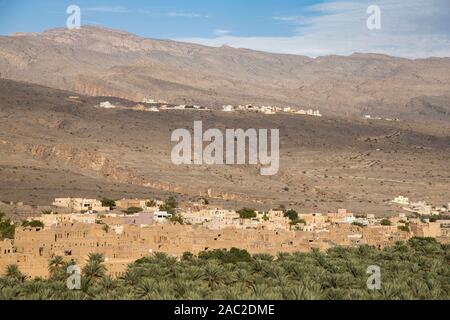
221, 32
186, 15
116, 9
409, 28
287, 18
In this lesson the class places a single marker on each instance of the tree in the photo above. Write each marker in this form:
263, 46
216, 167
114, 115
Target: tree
33, 224
169, 205
108, 203
385, 222
56, 267
247, 213
7, 228
187, 256
94, 269
150, 203
359, 224
177, 218
214, 274
13, 273
172, 202
291, 214
234, 255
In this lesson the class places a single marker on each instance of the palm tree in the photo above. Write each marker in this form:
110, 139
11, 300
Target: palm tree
150, 289
214, 274
183, 286
10, 293
132, 276
13, 273
259, 290
94, 270
56, 266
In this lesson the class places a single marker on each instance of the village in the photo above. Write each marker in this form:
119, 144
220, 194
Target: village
152, 105
128, 229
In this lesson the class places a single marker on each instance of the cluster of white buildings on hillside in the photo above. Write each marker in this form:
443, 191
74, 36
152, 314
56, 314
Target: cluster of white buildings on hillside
271, 110
156, 106
420, 207
369, 117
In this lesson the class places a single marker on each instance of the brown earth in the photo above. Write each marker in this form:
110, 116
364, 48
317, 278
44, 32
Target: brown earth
52, 145
96, 61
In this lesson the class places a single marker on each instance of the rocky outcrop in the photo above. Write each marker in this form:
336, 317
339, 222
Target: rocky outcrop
98, 87
102, 62
89, 162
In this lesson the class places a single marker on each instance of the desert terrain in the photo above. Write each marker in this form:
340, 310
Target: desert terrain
103, 62
56, 143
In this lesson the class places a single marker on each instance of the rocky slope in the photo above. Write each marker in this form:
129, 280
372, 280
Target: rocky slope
96, 61
54, 145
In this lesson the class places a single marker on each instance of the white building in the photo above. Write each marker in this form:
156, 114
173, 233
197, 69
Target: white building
401, 200
228, 108
107, 105
421, 208
80, 204
161, 216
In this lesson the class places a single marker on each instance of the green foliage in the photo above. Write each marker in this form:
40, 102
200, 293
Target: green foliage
177, 218
187, 256
7, 228
234, 255
46, 212
417, 269
150, 203
14, 274
433, 218
403, 228
132, 210
94, 270
247, 213
385, 222
292, 215
169, 205
108, 203
33, 224
359, 224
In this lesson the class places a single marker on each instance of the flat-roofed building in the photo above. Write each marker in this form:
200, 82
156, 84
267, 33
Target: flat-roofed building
80, 204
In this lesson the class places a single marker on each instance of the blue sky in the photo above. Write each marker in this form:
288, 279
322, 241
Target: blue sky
410, 28
157, 18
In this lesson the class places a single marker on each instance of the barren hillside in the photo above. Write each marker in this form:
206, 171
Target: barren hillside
52, 144
96, 61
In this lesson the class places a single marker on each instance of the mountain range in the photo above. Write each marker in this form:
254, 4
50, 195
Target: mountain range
97, 61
